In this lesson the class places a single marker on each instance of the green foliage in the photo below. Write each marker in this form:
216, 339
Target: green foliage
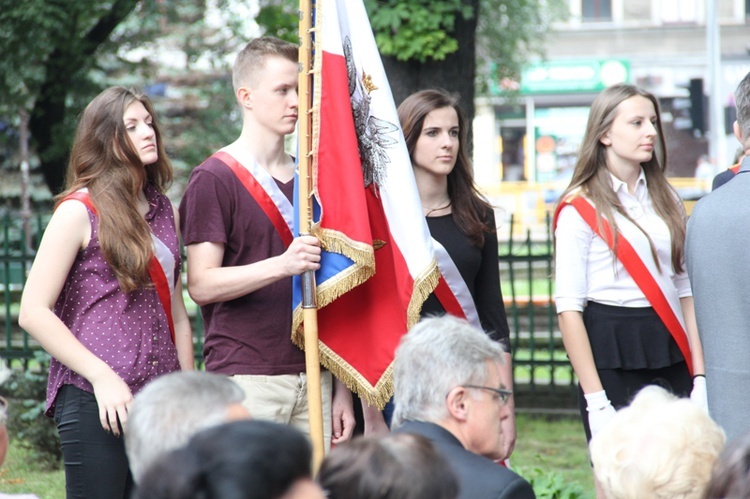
184, 30
49, 48
36, 33
552, 485
29, 32
549, 447
27, 425
198, 132
20, 474
58, 51
280, 20
417, 30
44, 37
198, 114
510, 33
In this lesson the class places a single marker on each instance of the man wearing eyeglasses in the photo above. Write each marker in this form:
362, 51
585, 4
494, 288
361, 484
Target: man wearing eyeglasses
447, 384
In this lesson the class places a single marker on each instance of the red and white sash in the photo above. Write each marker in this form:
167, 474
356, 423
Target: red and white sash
452, 291
655, 286
263, 188
161, 266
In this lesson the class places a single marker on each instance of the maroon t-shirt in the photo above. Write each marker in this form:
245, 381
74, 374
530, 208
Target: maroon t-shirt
250, 334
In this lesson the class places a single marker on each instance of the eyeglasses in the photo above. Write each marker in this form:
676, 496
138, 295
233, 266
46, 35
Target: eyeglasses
503, 395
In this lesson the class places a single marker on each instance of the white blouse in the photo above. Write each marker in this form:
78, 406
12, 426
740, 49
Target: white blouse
585, 269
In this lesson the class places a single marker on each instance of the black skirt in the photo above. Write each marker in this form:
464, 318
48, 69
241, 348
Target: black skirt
632, 348
629, 338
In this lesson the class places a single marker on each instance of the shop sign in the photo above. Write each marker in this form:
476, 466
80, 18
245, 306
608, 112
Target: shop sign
573, 76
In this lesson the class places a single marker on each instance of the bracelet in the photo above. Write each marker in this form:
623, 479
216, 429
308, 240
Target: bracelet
608, 404
597, 409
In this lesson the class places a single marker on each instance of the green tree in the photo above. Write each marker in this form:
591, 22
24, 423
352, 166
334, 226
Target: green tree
458, 45
185, 65
57, 54
49, 47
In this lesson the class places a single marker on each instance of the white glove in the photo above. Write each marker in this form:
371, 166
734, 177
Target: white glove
600, 410
698, 394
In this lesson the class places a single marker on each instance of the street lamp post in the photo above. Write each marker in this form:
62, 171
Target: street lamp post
717, 142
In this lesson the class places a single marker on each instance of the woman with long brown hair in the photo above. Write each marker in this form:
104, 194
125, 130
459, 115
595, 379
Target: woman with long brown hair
461, 223
104, 295
623, 299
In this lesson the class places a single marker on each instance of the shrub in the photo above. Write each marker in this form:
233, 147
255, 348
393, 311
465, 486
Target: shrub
27, 425
550, 485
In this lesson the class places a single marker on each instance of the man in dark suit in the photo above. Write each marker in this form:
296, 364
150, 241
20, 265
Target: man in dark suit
448, 388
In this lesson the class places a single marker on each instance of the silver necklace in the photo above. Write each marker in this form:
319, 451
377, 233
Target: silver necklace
437, 208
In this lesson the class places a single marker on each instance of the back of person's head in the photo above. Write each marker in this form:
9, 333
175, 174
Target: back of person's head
172, 408
251, 59
742, 104
237, 460
398, 466
435, 356
660, 446
730, 478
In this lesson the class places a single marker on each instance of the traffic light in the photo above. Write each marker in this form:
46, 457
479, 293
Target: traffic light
697, 105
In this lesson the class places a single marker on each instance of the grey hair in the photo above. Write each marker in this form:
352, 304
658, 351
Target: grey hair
742, 103
659, 446
171, 409
435, 356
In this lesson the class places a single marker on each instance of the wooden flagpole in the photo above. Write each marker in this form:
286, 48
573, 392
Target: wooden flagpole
309, 307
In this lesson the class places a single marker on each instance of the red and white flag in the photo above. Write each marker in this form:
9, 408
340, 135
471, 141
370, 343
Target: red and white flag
378, 265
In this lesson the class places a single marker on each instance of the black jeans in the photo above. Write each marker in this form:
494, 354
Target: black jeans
96, 465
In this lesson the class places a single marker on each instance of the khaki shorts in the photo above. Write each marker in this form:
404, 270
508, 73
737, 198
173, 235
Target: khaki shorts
283, 399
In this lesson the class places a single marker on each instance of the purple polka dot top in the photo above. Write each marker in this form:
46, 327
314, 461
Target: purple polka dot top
128, 331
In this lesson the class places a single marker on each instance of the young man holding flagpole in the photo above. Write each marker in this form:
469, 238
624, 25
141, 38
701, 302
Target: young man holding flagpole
237, 219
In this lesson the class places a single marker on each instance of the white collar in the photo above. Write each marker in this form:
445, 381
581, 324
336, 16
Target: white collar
621, 186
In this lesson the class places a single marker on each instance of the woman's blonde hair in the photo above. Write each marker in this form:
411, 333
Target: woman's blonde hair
660, 446
591, 176
104, 161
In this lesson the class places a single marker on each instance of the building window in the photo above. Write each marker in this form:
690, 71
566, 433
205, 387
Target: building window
681, 11
597, 10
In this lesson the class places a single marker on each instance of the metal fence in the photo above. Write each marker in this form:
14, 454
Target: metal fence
544, 377
15, 260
